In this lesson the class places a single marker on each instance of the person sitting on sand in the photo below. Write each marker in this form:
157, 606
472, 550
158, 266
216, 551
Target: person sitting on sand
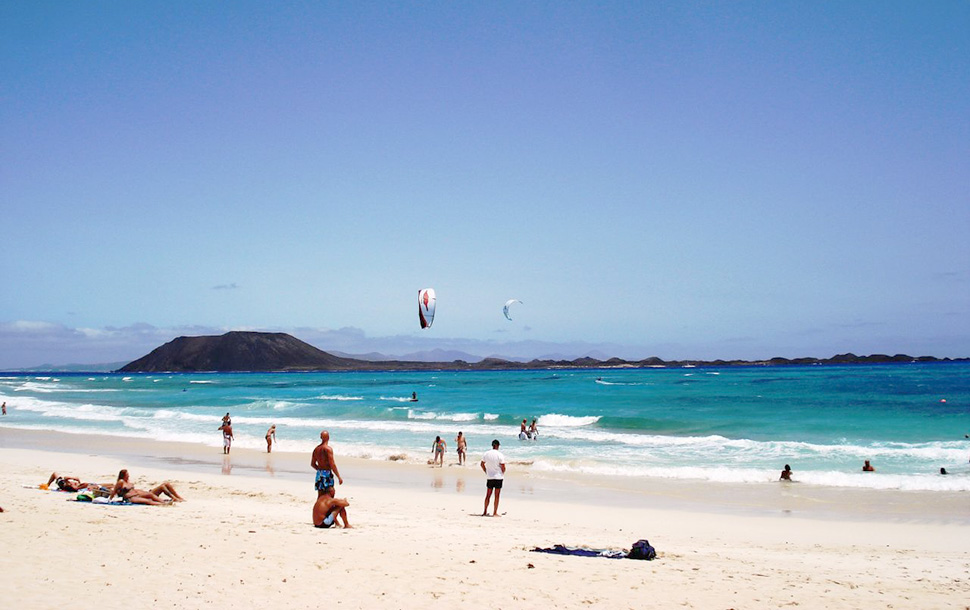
327, 509
127, 492
867, 467
438, 447
786, 473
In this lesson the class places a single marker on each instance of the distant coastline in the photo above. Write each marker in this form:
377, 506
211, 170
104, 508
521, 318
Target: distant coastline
269, 352
239, 351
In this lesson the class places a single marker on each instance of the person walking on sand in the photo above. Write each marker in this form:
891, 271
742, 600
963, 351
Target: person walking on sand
462, 447
493, 465
322, 461
438, 447
270, 438
226, 436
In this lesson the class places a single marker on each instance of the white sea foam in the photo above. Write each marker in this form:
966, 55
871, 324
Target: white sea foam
490, 416
40, 388
412, 414
396, 398
199, 381
338, 397
566, 421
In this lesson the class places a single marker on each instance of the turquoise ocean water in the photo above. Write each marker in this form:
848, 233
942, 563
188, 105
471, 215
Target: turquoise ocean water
720, 424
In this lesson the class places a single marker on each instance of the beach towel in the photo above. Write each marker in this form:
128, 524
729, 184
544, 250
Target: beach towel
641, 549
116, 502
581, 551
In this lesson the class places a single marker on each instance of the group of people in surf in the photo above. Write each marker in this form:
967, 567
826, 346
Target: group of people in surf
528, 432
439, 446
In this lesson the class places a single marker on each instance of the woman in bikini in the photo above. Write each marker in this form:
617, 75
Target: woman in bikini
439, 451
126, 491
270, 438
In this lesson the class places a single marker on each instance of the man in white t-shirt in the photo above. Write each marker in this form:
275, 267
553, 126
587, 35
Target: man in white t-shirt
493, 465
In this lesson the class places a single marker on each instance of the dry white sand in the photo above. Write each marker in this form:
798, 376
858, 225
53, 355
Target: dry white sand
245, 539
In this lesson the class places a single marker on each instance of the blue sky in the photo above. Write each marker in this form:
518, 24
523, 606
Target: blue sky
685, 180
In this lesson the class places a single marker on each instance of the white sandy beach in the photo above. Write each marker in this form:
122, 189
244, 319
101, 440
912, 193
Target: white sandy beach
418, 540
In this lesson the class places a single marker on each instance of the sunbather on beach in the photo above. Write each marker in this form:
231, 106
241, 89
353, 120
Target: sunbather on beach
126, 491
68, 483
327, 509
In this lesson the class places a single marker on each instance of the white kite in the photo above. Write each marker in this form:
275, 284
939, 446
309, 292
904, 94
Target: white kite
426, 301
508, 304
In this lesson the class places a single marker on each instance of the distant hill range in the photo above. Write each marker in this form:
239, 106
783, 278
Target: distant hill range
264, 352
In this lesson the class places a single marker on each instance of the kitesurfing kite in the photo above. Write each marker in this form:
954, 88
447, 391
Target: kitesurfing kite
426, 300
508, 304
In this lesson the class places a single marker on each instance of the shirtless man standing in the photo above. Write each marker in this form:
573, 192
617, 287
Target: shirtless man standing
322, 461
226, 437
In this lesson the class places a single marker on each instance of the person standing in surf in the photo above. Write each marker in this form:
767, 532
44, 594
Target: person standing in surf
270, 438
438, 448
462, 443
226, 437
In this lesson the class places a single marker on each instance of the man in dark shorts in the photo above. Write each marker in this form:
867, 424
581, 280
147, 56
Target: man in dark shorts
322, 461
327, 509
493, 465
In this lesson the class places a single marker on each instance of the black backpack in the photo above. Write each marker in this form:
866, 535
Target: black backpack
642, 550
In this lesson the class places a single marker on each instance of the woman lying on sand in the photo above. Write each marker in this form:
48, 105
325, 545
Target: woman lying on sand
126, 491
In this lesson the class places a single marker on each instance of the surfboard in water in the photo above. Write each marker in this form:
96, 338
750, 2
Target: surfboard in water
426, 302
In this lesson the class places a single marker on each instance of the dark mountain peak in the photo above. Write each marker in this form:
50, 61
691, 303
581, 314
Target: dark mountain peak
238, 351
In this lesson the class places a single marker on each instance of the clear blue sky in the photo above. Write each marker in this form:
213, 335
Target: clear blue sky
686, 180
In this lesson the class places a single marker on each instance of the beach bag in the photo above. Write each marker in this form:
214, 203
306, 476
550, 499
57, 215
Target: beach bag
85, 496
641, 549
